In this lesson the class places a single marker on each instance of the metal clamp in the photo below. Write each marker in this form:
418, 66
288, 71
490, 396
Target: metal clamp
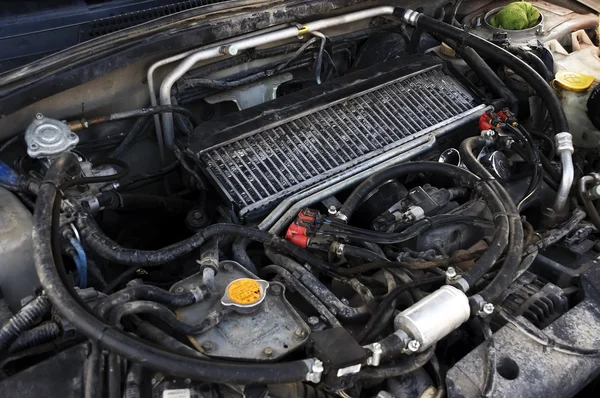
377, 351
316, 371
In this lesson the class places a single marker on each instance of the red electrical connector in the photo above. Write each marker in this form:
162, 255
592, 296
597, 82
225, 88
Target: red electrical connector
491, 120
304, 227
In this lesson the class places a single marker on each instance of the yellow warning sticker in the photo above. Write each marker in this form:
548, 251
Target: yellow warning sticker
244, 291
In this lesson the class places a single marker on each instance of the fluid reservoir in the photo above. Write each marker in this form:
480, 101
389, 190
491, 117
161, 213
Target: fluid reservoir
577, 74
18, 277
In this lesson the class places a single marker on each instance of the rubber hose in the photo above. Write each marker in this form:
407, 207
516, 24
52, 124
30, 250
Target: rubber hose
36, 336
114, 340
27, 316
537, 82
143, 292
489, 78
110, 250
409, 363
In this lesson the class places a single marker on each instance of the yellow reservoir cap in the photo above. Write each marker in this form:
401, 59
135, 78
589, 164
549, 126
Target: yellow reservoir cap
245, 292
573, 81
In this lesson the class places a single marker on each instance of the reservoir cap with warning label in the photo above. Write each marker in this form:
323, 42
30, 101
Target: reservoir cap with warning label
245, 293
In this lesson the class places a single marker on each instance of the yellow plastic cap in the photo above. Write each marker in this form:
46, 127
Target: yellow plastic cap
573, 81
245, 291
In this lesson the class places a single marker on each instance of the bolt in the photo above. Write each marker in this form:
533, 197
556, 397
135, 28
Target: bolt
229, 50
450, 273
197, 215
414, 345
179, 290
208, 346
268, 351
187, 381
275, 290
313, 320
228, 267
299, 333
339, 249
72, 136
488, 133
345, 301
39, 116
33, 146
488, 309
332, 210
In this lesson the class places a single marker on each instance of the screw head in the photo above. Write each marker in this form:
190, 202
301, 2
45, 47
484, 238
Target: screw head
39, 116
229, 50
413, 346
268, 351
488, 308
179, 290
332, 210
313, 320
299, 333
275, 290
345, 301
451, 273
208, 346
228, 267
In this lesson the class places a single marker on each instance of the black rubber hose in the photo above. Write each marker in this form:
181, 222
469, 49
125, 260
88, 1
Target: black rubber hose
386, 308
494, 202
489, 78
156, 335
125, 275
27, 316
363, 254
536, 63
239, 251
512, 260
36, 336
488, 49
113, 339
407, 364
140, 180
140, 126
110, 250
318, 289
133, 381
112, 200
160, 312
143, 292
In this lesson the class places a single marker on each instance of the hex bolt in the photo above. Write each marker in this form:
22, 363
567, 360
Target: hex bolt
208, 346
39, 116
268, 351
275, 290
488, 309
451, 273
229, 50
228, 267
313, 320
413, 346
332, 210
299, 333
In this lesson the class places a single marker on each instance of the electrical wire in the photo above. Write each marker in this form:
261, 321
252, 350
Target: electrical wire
80, 260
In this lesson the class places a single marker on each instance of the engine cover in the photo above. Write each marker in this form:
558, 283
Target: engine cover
261, 155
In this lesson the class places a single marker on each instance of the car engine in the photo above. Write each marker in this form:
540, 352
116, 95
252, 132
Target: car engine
337, 198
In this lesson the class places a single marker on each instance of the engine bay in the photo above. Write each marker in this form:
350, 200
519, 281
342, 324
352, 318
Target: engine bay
376, 202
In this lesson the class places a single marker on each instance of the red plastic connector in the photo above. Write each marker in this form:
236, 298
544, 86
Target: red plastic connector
308, 215
489, 120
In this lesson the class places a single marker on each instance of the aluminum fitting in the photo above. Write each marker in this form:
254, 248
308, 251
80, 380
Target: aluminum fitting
564, 142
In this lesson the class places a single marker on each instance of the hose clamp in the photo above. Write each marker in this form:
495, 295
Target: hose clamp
316, 371
411, 17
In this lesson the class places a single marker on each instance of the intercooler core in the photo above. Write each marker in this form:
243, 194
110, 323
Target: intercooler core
261, 155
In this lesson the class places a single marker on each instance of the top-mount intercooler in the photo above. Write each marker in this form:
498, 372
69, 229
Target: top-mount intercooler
261, 155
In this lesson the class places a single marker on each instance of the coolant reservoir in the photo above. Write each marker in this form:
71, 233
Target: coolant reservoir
577, 74
18, 278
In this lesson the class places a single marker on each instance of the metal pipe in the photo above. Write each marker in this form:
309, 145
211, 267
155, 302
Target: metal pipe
564, 147
177, 57
277, 223
245, 44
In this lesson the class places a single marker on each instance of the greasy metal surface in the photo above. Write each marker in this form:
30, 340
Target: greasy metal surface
539, 371
264, 166
271, 332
